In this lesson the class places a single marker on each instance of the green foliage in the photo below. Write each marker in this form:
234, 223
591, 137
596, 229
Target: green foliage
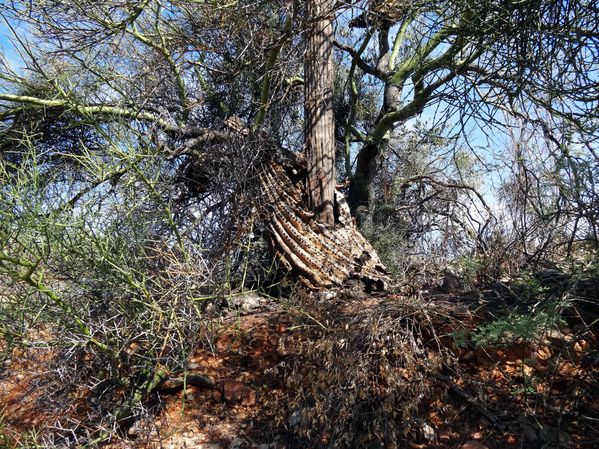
10, 440
460, 338
390, 245
526, 327
528, 386
109, 277
4, 439
121, 211
100, 254
481, 268
470, 268
528, 288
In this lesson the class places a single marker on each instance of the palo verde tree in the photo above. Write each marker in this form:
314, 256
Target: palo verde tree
173, 73
470, 59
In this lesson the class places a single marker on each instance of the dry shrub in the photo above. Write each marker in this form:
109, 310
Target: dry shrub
364, 379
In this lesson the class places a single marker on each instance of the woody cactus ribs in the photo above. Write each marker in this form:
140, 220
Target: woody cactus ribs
321, 256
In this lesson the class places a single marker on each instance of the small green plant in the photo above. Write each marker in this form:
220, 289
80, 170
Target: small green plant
518, 327
460, 338
469, 267
528, 387
528, 289
31, 439
4, 439
390, 245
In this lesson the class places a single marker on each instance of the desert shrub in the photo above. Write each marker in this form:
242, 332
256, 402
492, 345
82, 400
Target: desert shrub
525, 327
402, 258
528, 289
114, 275
390, 245
470, 268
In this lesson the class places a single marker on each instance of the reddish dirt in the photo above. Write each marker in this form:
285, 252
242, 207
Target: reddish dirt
542, 395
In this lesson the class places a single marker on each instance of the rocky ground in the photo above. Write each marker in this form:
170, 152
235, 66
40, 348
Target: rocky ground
267, 376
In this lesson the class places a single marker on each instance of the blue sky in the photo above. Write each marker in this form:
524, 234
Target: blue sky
7, 49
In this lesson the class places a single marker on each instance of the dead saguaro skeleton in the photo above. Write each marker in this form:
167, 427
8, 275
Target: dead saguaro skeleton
320, 255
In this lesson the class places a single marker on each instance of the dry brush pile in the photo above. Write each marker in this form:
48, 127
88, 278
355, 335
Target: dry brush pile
367, 375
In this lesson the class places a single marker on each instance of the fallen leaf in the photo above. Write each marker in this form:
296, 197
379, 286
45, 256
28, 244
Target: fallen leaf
581, 346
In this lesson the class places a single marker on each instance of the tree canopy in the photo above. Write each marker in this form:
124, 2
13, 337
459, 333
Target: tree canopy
180, 68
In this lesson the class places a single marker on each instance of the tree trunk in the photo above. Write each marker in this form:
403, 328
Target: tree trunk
318, 110
361, 188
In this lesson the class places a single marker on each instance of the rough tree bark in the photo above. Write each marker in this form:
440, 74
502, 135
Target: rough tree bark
319, 120
361, 187
322, 257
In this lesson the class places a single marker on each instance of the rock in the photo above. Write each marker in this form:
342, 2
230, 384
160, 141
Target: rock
354, 289
199, 381
329, 294
189, 396
552, 277
460, 311
246, 302
428, 432
134, 430
473, 444
295, 419
176, 383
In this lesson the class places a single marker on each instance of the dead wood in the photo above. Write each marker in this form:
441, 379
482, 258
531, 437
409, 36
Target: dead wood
321, 256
